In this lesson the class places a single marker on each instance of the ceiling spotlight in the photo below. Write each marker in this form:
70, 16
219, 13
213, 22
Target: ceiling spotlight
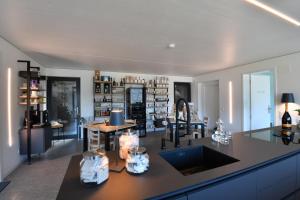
274, 11
171, 45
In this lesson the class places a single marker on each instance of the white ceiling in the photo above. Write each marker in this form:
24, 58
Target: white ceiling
132, 35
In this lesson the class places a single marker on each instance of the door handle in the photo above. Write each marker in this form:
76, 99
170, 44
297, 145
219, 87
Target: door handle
77, 111
269, 109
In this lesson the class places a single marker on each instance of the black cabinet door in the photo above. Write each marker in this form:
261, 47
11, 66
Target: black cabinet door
243, 187
277, 180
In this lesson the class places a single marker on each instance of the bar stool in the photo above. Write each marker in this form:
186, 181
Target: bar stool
96, 140
58, 127
93, 139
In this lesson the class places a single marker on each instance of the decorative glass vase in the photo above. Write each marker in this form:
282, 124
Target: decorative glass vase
128, 140
137, 161
94, 167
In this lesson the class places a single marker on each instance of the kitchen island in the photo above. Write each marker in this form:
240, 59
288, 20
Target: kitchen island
266, 168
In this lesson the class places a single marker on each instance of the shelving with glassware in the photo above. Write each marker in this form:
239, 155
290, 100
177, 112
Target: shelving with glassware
37, 93
102, 95
161, 96
118, 96
111, 94
150, 106
33, 96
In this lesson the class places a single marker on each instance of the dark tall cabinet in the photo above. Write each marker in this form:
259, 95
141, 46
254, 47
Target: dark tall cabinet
136, 108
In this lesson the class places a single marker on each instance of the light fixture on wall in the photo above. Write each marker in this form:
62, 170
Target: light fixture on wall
230, 101
9, 106
274, 11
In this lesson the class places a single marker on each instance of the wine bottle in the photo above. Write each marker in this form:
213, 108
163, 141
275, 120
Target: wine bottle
105, 89
286, 121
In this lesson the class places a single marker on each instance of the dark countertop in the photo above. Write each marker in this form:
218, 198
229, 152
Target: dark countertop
162, 180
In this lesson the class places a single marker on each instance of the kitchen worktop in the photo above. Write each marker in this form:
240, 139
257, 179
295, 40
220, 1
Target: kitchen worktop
164, 181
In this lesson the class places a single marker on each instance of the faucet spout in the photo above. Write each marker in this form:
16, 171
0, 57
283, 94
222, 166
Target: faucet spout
187, 121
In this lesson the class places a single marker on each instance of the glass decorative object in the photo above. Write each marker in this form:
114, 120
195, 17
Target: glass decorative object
137, 161
220, 135
128, 140
94, 167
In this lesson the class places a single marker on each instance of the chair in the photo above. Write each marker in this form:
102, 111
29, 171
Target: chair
58, 127
158, 122
197, 132
94, 139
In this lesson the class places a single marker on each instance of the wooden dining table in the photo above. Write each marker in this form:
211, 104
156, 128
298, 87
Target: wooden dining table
107, 130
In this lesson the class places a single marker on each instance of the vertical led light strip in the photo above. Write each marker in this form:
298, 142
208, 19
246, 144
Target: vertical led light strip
9, 106
230, 101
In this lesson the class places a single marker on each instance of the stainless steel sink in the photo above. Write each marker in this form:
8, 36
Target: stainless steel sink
196, 159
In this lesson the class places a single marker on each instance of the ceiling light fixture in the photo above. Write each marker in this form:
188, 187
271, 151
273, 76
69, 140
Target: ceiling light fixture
274, 11
171, 45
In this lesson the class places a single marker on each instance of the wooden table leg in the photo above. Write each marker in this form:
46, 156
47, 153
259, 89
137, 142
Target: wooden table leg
171, 132
107, 141
85, 139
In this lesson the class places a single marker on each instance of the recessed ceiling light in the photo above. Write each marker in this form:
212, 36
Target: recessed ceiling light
171, 45
274, 12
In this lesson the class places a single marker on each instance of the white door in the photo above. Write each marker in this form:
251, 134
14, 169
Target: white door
210, 105
259, 100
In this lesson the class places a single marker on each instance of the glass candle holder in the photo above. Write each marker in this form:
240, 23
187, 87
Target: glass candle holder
137, 161
128, 140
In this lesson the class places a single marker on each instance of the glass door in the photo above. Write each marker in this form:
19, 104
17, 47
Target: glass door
64, 105
258, 100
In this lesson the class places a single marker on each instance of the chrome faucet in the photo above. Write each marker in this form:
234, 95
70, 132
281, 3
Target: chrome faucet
188, 121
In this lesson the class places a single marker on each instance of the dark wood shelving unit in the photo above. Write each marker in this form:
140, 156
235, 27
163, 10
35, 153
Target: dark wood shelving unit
136, 108
102, 98
118, 96
34, 138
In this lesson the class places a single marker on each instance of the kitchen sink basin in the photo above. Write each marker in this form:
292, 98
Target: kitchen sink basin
196, 159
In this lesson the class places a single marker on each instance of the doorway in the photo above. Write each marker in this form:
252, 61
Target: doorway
209, 102
258, 100
63, 104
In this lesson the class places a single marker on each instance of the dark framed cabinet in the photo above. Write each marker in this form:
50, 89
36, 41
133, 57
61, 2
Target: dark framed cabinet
41, 139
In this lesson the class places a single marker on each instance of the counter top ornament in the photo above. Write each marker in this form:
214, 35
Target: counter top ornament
220, 135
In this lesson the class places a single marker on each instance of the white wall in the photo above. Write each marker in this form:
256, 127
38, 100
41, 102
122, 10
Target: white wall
86, 76
286, 70
208, 104
9, 156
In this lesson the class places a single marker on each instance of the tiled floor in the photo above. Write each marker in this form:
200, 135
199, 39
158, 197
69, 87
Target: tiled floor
42, 179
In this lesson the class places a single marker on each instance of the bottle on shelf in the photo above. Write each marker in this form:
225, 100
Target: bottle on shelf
97, 88
105, 89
